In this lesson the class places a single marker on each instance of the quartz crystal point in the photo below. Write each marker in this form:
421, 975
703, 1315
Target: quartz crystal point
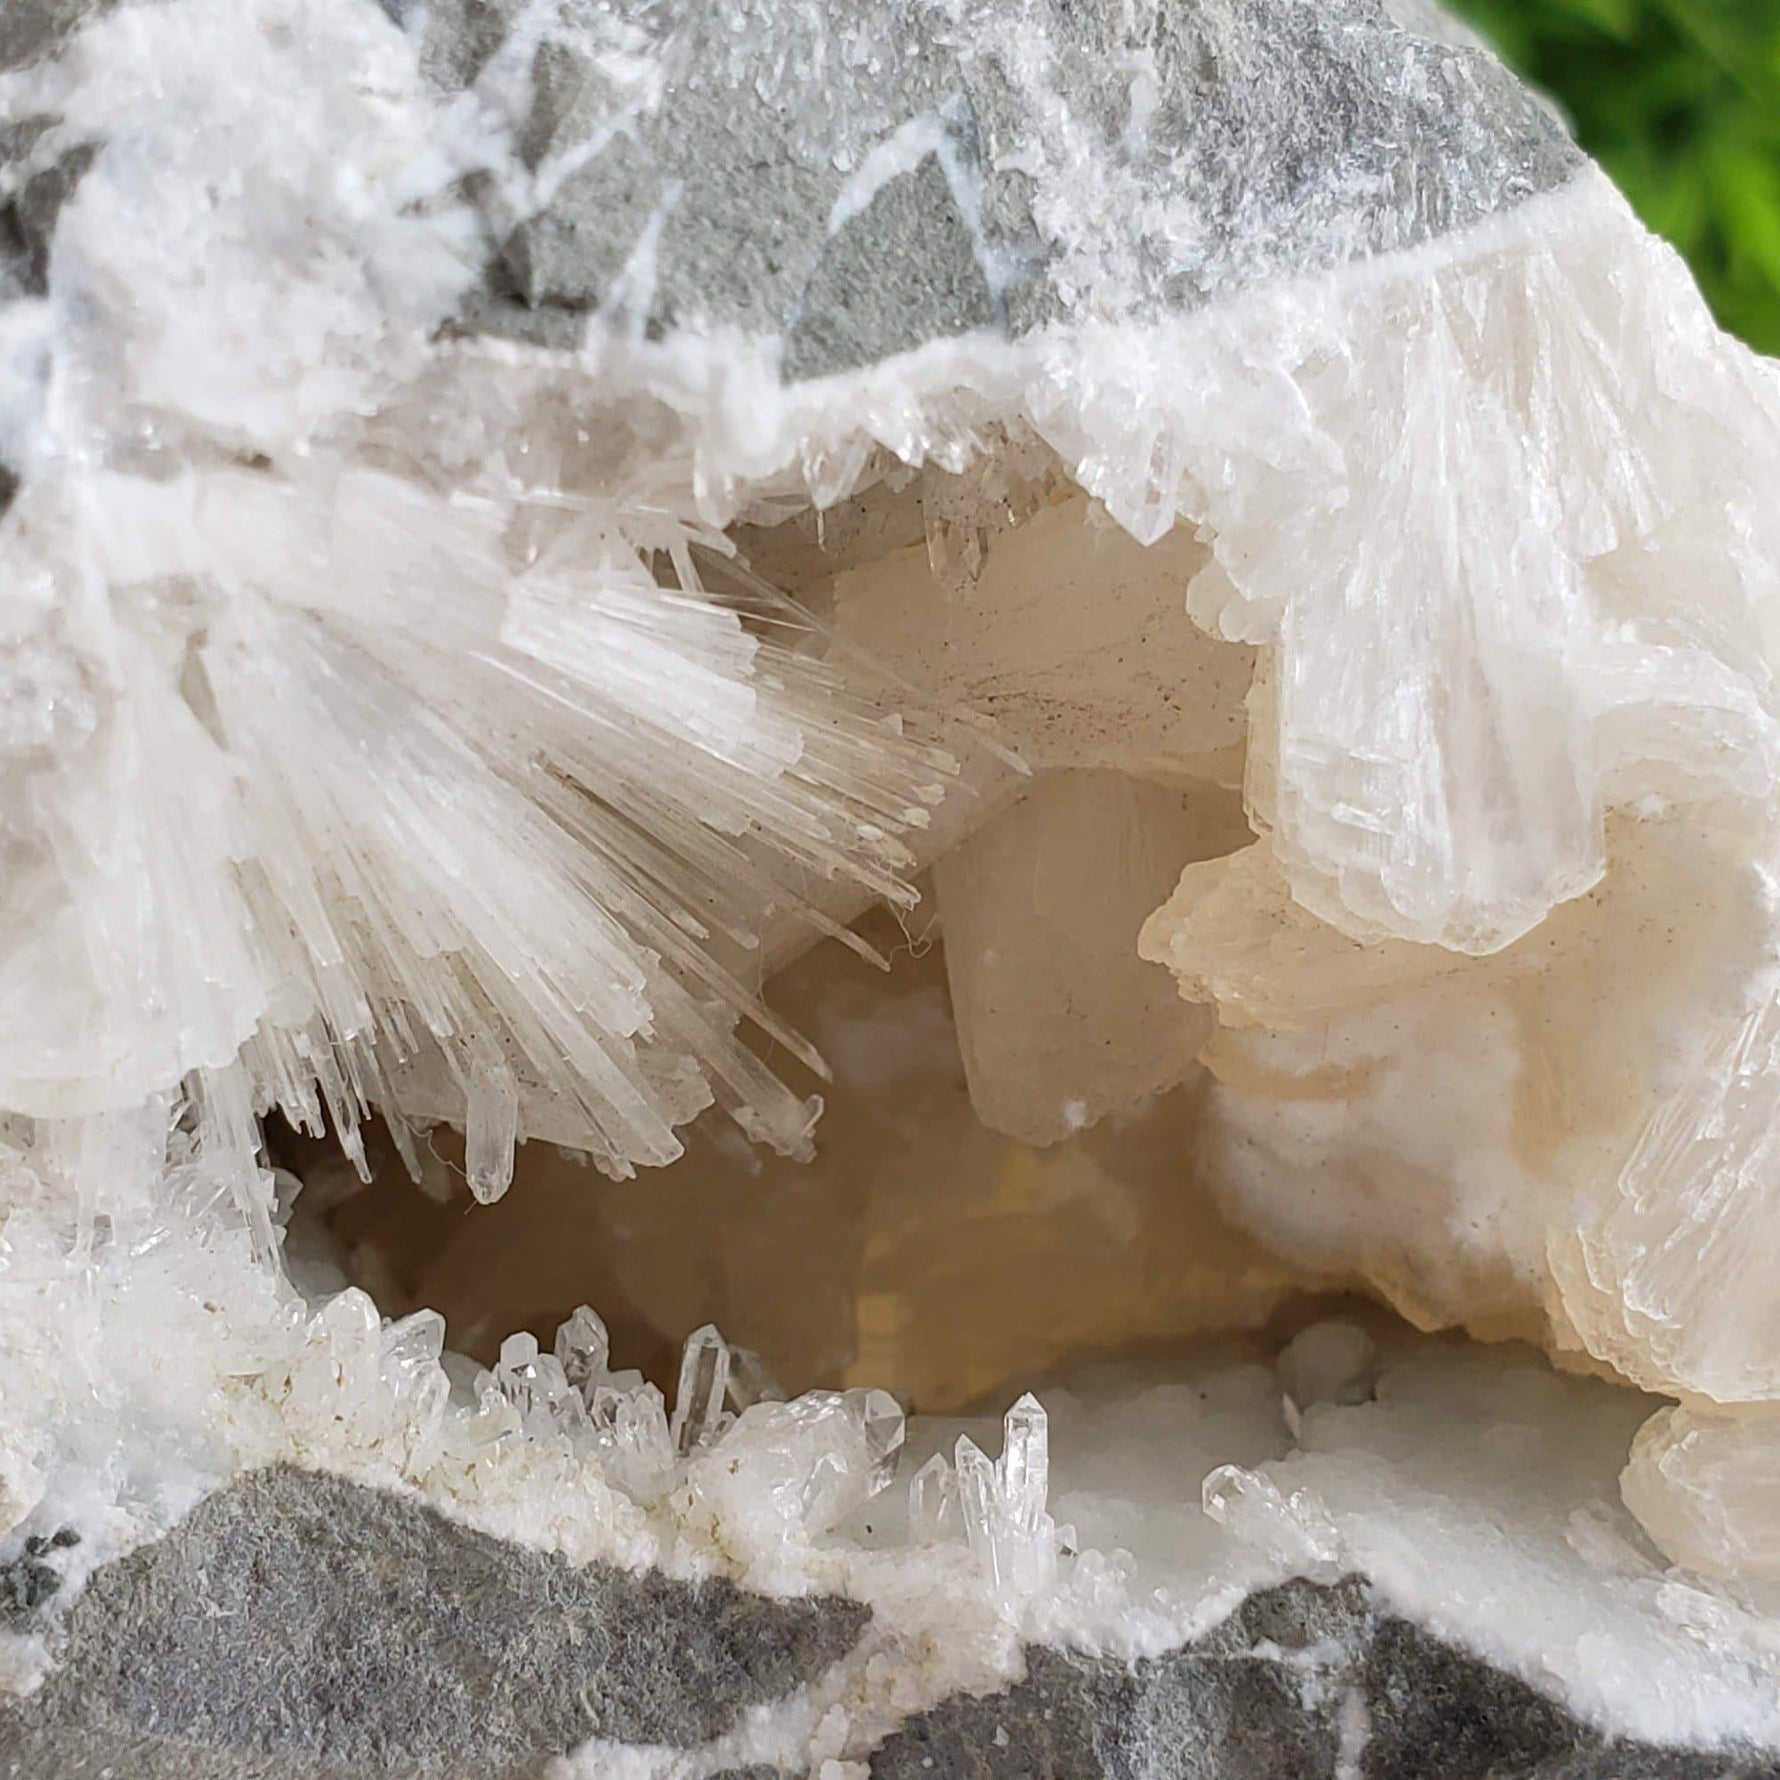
517, 1370
584, 1350
525, 1376
1023, 1472
882, 1428
792, 1471
704, 1381
1003, 1505
638, 1445
978, 1506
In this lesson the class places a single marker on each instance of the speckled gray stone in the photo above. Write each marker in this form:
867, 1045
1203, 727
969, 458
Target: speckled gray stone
33, 28
297, 1625
569, 254
1104, 160
1303, 1682
28, 220
1266, 138
846, 317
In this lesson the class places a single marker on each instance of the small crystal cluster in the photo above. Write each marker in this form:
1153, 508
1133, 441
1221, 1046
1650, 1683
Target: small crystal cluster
801, 1467
999, 1505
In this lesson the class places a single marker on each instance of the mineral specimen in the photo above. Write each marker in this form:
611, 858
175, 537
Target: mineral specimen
540, 540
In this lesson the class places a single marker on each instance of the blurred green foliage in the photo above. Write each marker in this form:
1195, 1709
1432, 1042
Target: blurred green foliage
1680, 101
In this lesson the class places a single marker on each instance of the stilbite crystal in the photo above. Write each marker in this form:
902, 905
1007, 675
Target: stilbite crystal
1059, 1021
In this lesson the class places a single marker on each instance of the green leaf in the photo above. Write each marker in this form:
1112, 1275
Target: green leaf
1747, 187
1680, 101
1617, 19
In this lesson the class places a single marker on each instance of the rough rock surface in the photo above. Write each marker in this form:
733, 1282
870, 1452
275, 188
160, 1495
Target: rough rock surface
966, 163
968, 167
1304, 1681
298, 1625
681, 177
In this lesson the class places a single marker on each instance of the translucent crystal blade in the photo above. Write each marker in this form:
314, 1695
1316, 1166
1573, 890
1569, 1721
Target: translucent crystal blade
882, 1423
491, 1129
979, 1505
704, 1377
1023, 1472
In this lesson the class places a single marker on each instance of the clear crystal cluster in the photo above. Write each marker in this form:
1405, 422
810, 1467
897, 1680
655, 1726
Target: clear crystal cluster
998, 1505
771, 1471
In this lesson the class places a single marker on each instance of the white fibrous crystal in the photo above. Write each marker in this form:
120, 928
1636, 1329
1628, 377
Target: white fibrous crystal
387, 774
491, 1129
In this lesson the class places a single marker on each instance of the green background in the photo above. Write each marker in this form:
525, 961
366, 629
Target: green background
1680, 101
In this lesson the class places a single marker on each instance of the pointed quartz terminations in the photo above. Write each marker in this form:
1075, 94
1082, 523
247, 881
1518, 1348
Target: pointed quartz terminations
786, 1468
883, 1428
1003, 1504
1023, 1472
517, 1373
491, 1130
852, 1441
704, 1380
584, 1349
538, 1387
638, 1447
933, 1502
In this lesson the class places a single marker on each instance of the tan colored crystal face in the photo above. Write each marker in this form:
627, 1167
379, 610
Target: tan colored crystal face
921, 1251
1009, 1166
1120, 1083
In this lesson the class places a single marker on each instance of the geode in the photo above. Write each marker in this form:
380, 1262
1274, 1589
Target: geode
1043, 728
